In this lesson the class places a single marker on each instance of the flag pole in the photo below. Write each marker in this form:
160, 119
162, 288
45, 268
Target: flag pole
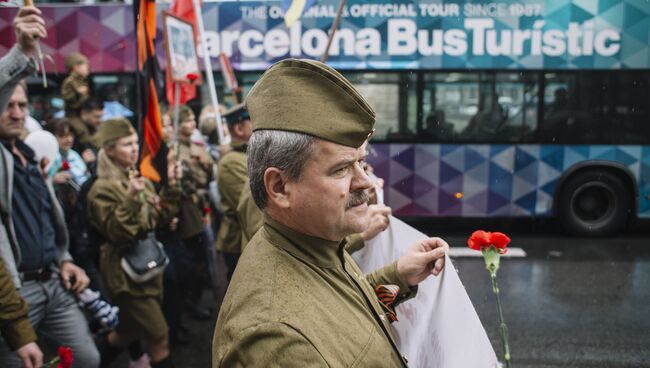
208, 68
335, 26
177, 102
138, 83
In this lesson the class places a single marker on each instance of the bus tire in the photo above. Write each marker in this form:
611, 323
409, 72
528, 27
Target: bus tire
594, 202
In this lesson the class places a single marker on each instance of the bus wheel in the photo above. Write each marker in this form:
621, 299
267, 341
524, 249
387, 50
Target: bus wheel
594, 202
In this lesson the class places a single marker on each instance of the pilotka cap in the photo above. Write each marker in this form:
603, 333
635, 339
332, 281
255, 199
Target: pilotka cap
309, 97
113, 129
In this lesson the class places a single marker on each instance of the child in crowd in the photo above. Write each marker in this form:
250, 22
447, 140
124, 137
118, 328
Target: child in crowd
75, 90
68, 166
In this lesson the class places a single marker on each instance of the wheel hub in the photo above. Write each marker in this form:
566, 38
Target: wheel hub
593, 202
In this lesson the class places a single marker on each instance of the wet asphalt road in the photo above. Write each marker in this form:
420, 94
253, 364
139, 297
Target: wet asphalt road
572, 302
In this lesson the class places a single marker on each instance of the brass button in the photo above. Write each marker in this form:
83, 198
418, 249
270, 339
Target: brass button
356, 275
405, 359
382, 317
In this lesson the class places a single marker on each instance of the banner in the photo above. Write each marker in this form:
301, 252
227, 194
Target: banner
375, 34
439, 327
153, 150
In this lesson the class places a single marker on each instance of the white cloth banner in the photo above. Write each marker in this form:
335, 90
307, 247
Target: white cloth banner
439, 327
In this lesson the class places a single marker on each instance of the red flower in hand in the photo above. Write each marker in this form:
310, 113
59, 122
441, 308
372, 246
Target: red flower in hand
65, 354
192, 77
492, 245
65, 166
478, 240
483, 239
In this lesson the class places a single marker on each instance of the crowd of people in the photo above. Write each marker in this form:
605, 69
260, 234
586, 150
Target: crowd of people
292, 188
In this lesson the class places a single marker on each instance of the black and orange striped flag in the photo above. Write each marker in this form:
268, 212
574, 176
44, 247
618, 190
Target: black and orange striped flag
153, 152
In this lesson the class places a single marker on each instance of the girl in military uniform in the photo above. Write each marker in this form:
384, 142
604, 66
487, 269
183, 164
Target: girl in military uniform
123, 207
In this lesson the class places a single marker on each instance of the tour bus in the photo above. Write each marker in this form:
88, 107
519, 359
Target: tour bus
484, 108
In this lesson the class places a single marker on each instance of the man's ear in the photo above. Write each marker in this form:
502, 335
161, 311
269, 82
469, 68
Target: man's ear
274, 185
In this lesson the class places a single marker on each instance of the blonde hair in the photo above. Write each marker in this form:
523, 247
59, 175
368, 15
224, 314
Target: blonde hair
106, 168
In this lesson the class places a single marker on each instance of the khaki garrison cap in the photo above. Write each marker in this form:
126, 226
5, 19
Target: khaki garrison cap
113, 129
307, 96
74, 59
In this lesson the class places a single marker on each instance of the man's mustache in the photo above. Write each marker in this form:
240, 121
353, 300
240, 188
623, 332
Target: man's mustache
357, 198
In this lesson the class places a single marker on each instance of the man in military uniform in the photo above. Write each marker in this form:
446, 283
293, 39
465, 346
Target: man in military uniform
74, 89
231, 180
297, 299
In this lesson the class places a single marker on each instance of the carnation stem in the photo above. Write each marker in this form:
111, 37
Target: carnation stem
503, 329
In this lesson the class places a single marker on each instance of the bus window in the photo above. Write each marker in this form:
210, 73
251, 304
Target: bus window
628, 110
480, 107
596, 108
393, 97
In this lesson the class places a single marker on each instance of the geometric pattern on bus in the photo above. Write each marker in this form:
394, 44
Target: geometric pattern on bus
104, 33
490, 180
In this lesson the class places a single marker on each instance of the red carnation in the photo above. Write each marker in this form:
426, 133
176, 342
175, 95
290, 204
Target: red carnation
500, 241
65, 354
65, 166
492, 245
192, 77
483, 239
479, 239
207, 210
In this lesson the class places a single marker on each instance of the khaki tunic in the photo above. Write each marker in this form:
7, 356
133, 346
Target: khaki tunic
250, 217
121, 219
299, 301
14, 323
232, 176
200, 167
199, 163
83, 137
71, 96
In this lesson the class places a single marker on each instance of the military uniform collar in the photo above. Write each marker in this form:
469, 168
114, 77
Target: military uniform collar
320, 252
239, 146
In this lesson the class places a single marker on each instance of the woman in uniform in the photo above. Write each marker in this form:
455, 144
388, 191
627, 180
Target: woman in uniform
124, 207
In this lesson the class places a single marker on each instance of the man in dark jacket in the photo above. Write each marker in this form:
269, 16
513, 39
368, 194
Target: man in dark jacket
15, 328
34, 245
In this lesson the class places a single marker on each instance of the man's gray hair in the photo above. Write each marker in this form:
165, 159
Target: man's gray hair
287, 151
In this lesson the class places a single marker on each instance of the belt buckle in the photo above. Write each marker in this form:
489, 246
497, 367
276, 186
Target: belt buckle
44, 274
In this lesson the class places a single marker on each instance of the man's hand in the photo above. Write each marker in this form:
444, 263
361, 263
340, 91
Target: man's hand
29, 27
423, 258
379, 215
62, 177
71, 271
31, 356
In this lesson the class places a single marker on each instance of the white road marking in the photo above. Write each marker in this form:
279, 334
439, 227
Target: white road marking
467, 252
